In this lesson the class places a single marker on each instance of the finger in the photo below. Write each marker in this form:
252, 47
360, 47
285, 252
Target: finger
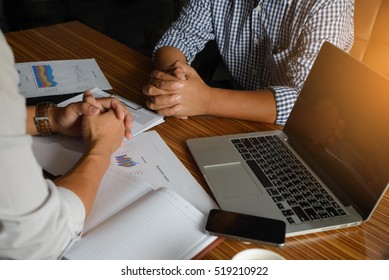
160, 75
182, 70
169, 85
164, 101
89, 98
180, 73
178, 70
120, 110
154, 107
151, 90
113, 103
83, 108
128, 123
171, 111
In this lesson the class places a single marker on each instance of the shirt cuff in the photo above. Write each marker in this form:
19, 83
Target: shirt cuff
75, 206
285, 98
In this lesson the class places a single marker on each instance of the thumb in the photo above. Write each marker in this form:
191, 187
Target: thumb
84, 108
93, 110
89, 98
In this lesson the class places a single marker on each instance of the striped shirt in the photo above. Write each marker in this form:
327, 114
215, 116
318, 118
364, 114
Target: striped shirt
265, 44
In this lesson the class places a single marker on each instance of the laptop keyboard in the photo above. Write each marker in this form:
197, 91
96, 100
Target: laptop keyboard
298, 195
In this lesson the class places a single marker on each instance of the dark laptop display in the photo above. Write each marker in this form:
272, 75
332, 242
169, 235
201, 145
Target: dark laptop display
342, 131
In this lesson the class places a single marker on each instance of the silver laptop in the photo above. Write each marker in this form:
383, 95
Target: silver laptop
329, 166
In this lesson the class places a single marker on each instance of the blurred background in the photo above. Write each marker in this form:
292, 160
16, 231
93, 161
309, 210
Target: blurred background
135, 23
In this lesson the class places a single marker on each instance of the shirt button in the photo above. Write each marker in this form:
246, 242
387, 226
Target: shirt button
258, 8
254, 72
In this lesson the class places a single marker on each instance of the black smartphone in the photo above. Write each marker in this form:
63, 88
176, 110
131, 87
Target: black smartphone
246, 227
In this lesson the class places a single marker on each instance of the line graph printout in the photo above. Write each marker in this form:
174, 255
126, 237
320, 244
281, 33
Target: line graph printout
44, 78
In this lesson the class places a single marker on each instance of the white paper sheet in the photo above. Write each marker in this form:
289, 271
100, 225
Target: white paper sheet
56, 77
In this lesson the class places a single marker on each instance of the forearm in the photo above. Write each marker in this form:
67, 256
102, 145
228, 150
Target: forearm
248, 105
30, 122
166, 56
85, 177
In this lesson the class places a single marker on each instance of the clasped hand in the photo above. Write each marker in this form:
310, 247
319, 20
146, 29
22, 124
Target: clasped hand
177, 91
103, 120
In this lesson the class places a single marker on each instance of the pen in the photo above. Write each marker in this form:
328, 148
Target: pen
128, 103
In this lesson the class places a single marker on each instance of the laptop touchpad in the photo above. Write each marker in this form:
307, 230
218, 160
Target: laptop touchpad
231, 180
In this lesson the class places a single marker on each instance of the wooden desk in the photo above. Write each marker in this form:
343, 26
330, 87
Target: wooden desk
127, 71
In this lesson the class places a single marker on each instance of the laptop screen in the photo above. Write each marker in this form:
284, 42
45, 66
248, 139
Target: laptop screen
340, 127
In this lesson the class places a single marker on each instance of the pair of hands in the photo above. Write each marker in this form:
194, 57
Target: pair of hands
102, 122
177, 91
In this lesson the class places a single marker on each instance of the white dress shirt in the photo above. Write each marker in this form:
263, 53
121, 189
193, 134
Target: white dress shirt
38, 220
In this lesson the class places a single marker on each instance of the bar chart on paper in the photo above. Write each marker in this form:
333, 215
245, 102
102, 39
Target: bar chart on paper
125, 161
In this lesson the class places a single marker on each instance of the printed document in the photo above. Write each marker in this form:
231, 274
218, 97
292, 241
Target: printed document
57, 77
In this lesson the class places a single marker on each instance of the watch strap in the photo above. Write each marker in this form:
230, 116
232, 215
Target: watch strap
42, 119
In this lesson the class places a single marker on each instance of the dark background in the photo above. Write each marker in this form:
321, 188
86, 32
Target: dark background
136, 23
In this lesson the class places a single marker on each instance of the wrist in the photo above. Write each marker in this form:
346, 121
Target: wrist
44, 118
209, 100
52, 112
99, 150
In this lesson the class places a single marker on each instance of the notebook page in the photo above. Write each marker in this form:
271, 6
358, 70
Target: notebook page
117, 190
160, 225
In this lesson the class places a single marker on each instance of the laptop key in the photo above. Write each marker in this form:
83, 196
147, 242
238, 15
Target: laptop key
280, 206
324, 215
325, 203
312, 214
247, 143
247, 156
272, 191
332, 211
292, 202
304, 204
300, 213
312, 201
318, 208
282, 189
341, 212
287, 212
278, 198
290, 220
259, 173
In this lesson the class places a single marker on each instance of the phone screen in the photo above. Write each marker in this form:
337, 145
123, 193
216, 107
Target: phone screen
246, 227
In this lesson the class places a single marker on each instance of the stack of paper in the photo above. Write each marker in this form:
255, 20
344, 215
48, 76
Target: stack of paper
148, 206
